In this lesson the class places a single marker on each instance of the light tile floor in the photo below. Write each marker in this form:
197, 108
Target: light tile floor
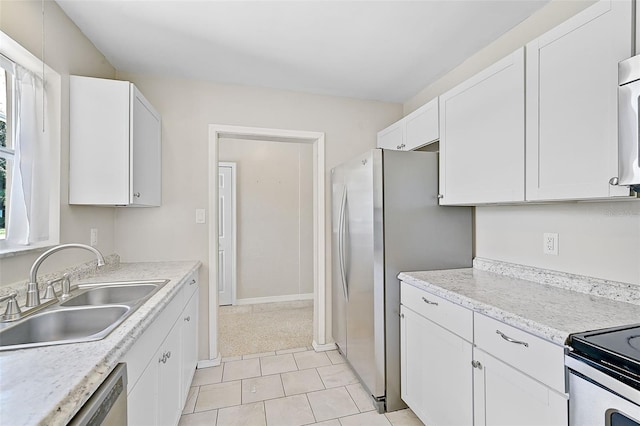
284, 388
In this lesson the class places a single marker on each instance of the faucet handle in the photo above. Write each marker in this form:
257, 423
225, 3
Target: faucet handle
50, 292
13, 310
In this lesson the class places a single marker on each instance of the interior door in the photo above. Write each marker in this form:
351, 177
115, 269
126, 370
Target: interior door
226, 239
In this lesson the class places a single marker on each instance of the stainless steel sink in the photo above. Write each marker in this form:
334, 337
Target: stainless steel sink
63, 326
111, 295
90, 314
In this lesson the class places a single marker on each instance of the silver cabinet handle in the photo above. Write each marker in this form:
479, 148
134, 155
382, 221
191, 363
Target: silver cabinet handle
187, 319
193, 281
440, 196
165, 356
429, 302
476, 364
509, 339
136, 194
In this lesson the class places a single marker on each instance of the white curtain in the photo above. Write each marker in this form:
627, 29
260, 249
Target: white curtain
28, 216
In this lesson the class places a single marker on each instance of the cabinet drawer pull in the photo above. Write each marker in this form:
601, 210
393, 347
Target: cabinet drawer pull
163, 359
509, 339
136, 194
429, 302
169, 354
193, 281
187, 319
476, 364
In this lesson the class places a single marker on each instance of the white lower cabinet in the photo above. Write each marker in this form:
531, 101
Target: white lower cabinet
189, 320
505, 396
161, 364
505, 376
435, 371
169, 361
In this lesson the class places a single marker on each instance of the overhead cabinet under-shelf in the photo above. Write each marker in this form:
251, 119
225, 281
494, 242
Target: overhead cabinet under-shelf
115, 144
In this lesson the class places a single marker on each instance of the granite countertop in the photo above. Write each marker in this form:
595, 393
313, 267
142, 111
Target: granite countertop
48, 385
542, 309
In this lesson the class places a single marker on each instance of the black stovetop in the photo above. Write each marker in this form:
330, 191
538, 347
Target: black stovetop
616, 348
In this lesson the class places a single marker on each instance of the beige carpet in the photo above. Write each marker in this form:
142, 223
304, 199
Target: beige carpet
265, 327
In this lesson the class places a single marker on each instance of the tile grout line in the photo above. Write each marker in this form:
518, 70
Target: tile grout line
306, 395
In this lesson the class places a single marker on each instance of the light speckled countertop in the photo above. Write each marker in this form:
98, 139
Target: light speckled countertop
542, 309
48, 385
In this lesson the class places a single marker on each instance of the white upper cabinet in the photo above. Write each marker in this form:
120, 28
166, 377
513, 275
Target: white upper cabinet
482, 136
571, 103
115, 145
414, 131
392, 137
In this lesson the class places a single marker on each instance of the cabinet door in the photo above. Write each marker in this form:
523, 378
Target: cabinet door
189, 344
421, 126
169, 363
572, 80
392, 137
98, 141
505, 396
142, 401
436, 376
145, 152
482, 136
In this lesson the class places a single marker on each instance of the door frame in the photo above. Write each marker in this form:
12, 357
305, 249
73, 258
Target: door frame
234, 227
217, 131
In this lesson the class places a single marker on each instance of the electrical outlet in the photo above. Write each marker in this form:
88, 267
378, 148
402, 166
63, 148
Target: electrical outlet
550, 243
94, 237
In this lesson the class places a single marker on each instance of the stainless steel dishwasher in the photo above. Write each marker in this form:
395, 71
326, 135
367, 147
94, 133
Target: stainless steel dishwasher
108, 404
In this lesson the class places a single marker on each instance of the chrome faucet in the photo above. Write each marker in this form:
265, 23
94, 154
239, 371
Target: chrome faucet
33, 295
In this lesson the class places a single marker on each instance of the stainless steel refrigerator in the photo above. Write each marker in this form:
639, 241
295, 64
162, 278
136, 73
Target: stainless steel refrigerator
386, 219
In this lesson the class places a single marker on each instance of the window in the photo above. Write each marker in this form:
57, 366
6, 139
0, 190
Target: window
7, 153
29, 150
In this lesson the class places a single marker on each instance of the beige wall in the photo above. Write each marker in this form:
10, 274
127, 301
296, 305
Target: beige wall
600, 239
187, 108
67, 51
274, 216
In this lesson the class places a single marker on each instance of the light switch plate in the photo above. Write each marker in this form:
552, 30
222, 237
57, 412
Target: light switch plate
200, 216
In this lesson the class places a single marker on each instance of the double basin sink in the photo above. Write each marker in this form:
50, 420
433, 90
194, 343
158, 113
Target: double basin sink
91, 314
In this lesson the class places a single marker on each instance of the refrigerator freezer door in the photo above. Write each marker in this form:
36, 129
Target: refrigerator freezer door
338, 289
364, 270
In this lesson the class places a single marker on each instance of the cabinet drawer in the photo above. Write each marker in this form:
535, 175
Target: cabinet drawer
447, 314
536, 357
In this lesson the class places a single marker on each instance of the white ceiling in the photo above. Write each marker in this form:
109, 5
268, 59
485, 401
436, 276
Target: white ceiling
382, 50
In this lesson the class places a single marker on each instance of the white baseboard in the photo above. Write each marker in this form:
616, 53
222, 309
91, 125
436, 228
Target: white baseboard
322, 348
205, 363
271, 299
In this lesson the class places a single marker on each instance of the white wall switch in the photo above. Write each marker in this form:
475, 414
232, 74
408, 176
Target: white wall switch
550, 243
94, 237
200, 216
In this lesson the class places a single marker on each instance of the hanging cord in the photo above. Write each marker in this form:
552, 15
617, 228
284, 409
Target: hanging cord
43, 80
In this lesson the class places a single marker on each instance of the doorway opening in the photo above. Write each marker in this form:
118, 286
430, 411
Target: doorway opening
269, 305
316, 139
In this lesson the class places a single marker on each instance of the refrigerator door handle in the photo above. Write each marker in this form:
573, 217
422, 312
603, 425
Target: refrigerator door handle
341, 242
